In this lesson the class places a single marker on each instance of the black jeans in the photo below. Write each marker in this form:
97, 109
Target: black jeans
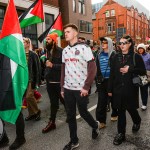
103, 100
53, 90
144, 94
72, 97
20, 126
122, 119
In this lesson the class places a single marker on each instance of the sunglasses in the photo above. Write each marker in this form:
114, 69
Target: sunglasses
124, 43
104, 42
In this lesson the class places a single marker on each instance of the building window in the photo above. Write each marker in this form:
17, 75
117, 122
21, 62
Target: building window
132, 27
132, 13
31, 32
2, 12
74, 5
112, 12
49, 19
128, 25
81, 7
110, 27
85, 26
107, 13
113, 27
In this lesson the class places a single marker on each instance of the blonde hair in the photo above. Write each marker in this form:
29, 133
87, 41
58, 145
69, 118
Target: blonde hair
28, 40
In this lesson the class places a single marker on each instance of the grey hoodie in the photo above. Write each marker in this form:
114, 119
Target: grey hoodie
110, 46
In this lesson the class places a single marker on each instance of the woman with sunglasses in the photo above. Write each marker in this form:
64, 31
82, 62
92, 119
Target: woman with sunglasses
125, 93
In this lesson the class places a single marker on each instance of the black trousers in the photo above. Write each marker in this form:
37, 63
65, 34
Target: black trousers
20, 126
53, 90
122, 119
72, 97
103, 100
144, 94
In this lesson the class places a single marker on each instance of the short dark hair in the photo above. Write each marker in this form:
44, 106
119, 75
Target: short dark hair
72, 26
102, 39
82, 38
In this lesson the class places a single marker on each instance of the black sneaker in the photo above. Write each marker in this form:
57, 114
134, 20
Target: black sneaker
136, 127
71, 146
95, 132
38, 115
4, 141
17, 143
119, 138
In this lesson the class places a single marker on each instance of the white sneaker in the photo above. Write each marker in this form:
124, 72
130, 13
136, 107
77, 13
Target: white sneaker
143, 107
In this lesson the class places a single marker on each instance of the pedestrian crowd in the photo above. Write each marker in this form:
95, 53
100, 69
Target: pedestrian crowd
68, 75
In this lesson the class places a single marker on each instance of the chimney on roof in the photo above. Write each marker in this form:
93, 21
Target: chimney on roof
110, 1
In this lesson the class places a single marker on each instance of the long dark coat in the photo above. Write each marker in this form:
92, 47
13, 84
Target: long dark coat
125, 94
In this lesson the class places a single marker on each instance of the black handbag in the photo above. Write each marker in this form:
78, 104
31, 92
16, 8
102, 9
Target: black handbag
139, 80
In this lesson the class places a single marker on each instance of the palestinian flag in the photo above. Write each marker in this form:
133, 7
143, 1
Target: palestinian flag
56, 27
13, 66
33, 15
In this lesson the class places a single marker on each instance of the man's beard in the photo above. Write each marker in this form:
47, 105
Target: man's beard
49, 46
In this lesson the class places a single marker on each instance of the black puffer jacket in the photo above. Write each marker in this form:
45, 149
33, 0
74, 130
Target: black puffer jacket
34, 69
125, 93
53, 74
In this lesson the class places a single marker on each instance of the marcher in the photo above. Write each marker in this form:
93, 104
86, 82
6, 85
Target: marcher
34, 78
52, 75
77, 74
141, 49
125, 94
20, 126
103, 62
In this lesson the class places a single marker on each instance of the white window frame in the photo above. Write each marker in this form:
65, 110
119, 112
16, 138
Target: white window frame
107, 13
113, 12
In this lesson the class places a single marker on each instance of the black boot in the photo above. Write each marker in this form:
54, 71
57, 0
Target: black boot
4, 141
136, 127
119, 138
17, 143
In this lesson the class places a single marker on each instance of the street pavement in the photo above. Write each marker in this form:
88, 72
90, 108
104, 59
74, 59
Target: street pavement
56, 139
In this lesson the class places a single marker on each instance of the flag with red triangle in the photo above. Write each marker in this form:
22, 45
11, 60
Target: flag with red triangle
33, 15
56, 27
13, 66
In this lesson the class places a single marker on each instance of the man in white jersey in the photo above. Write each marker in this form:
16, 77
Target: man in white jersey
77, 74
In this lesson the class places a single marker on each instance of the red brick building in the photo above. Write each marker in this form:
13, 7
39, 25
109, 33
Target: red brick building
114, 20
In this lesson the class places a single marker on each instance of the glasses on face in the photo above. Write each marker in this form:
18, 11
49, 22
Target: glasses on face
104, 42
124, 43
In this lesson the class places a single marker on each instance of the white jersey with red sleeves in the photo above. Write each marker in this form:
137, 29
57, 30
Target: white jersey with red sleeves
76, 60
